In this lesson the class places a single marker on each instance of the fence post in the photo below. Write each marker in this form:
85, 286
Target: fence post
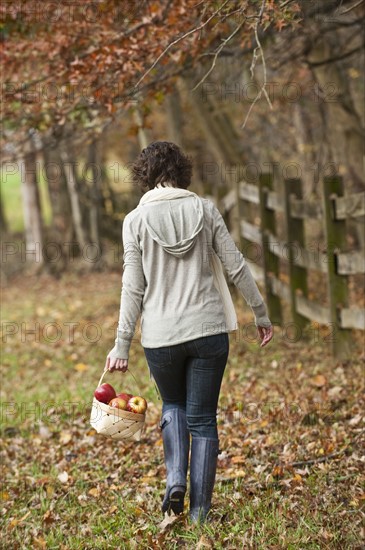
335, 234
270, 261
295, 235
245, 213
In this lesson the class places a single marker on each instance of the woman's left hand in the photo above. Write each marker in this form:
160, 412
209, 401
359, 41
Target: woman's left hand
265, 334
113, 364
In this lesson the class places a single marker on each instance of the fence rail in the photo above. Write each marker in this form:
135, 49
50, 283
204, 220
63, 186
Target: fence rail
334, 262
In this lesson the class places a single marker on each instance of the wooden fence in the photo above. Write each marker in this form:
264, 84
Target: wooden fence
335, 263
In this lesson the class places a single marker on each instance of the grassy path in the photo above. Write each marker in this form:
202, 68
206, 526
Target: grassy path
290, 423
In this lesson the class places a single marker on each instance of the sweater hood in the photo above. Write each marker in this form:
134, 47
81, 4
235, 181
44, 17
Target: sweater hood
173, 218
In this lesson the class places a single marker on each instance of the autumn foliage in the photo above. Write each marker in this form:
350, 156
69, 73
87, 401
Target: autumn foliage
85, 62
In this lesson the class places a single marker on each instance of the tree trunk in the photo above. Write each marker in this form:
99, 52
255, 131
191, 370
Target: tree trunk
343, 123
95, 195
306, 146
219, 133
345, 130
31, 208
175, 130
143, 134
174, 118
3, 221
70, 173
61, 230
223, 141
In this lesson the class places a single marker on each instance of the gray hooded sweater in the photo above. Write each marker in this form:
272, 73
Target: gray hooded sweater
167, 277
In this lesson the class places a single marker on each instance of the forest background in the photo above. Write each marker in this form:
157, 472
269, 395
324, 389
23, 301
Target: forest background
247, 88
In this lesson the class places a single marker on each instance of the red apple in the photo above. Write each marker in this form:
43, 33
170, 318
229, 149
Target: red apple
105, 393
125, 396
137, 404
118, 403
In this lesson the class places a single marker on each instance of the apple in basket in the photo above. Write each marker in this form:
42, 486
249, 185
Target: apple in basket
104, 393
118, 403
125, 396
137, 404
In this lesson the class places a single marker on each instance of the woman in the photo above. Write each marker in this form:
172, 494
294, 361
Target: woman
172, 277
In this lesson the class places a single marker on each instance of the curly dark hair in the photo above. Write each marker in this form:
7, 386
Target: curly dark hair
162, 162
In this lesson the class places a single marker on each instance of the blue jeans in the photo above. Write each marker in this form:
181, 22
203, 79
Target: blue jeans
189, 376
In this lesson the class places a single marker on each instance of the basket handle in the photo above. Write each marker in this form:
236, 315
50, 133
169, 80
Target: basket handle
130, 372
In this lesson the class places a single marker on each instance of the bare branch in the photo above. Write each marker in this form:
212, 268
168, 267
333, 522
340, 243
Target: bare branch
352, 7
218, 51
316, 460
333, 59
174, 42
258, 50
284, 4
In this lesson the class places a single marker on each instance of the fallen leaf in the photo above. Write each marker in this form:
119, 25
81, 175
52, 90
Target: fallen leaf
81, 367
39, 542
238, 459
260, 468
335, 391
50, 491
278, 471
167, 521
319, 380
297, 478
48, 517
14, 522
151, 473
63, 477
148, 480
82, 500
65, 437
42, 481
44, 432
94, 492
303, 472
232, 473
355, 420
204, 542
286, 482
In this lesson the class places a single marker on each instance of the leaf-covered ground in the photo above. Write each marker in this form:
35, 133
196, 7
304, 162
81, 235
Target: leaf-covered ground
290, 423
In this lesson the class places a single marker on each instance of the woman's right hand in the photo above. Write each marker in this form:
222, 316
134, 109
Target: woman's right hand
114, 363
265, 334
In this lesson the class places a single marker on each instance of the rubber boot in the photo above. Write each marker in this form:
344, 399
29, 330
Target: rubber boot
203, 466
176, 441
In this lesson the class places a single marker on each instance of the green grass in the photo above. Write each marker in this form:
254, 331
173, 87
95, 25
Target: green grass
11, 198
10, 182
112, 497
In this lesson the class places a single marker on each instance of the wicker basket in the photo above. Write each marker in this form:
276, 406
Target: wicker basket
115, 423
